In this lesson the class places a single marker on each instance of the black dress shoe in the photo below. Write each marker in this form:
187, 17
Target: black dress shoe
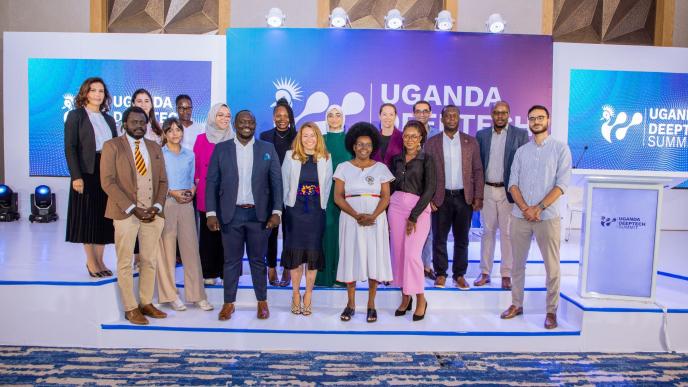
417, 317
372, 315
399, 312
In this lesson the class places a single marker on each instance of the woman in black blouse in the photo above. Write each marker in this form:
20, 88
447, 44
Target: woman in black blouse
86, 129
409, 217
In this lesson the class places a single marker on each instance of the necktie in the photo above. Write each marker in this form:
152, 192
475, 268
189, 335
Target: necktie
138, 159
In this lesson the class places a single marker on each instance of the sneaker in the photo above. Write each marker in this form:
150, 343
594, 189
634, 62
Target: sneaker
209, 281
205, 305
178, 305
461, 283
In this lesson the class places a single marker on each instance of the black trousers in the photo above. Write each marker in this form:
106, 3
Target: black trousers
245, 231
271, 255
210, 249
454, 214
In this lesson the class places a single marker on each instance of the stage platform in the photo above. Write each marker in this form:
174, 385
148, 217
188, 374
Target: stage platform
50, 300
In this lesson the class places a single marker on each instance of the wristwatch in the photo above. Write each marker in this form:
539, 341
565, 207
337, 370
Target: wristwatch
542, 206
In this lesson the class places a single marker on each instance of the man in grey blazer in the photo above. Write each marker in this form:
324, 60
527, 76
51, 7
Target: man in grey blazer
244, 200
498, 146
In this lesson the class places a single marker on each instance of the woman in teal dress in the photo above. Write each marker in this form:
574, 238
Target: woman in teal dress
334, 140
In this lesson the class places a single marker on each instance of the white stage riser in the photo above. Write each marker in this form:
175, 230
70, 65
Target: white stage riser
72, 316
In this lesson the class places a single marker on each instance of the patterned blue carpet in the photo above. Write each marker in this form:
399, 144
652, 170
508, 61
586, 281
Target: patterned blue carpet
81, 366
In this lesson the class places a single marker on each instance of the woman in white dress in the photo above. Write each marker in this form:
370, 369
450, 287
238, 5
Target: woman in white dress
362, 192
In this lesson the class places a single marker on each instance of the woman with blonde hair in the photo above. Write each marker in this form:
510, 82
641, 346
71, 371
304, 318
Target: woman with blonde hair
306, 180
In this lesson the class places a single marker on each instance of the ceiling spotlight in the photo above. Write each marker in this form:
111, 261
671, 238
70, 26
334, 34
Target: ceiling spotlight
393, 20
339, 18
444, 21
275, 17
495, 23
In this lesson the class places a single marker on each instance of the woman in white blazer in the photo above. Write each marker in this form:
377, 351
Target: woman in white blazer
306, 180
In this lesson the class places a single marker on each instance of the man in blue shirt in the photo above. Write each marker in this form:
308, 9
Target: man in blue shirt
540, 174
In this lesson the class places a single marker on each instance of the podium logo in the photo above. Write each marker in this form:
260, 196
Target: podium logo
606, 222
620, 124
316, 103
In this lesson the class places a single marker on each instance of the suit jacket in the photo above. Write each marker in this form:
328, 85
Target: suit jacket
118, 176
472, 168
80, 142
515, 138
222, 182
395, 146
291, 173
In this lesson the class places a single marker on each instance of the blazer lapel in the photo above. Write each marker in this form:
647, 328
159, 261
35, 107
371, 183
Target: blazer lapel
487, 145
255, 177
510, 139
153, 156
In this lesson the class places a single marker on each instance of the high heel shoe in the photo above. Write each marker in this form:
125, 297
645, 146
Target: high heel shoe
307, 309
400, 312
372, 315
93, 275
347, 313
296, 306
417, 317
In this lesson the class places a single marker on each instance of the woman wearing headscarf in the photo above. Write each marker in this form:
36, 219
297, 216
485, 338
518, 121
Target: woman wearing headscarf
334, 141
281, 136
217, 130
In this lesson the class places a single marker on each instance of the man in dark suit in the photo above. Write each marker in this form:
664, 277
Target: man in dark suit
459, 192
132, 174
244, 201
498, 146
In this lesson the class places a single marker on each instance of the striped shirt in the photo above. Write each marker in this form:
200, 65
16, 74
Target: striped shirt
537, 169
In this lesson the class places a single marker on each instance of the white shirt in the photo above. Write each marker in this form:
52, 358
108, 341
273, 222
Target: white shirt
146, 159
244, 155
190, 135
245, 166
453, 174
100, 128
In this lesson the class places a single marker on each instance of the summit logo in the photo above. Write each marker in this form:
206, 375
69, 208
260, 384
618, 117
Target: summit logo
620, 124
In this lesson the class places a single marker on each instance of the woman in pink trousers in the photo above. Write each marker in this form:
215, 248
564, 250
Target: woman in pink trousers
409, 217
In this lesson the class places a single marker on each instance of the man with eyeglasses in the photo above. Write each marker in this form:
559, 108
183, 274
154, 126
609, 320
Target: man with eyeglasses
459, 192
540, 174
498, 146
422, 112
191, 129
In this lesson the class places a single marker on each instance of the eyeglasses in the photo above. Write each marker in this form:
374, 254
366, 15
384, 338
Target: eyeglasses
411, 137
538, 118
424, 111
364, 145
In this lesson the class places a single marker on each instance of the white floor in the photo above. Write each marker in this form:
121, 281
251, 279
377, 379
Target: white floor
41, 276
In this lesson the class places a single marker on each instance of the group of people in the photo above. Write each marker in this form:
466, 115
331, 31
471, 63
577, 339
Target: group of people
363, 204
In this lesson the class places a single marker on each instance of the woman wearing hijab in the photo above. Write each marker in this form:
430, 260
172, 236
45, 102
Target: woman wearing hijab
210, 243
281, 136
334, 142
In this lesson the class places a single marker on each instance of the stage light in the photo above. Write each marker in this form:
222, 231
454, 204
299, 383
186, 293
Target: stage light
495, 23
444, 21
43, 205
393, 20
275, 17
9, 204
339, 18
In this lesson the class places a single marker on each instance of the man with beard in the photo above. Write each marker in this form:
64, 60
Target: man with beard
281, 136
132, 174
540, 174
497, 148
243, 200
459, 192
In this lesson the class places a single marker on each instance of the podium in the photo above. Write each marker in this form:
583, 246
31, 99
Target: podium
621, 229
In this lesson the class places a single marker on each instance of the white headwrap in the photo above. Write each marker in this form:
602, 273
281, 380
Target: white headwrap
212, 132
329, 109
